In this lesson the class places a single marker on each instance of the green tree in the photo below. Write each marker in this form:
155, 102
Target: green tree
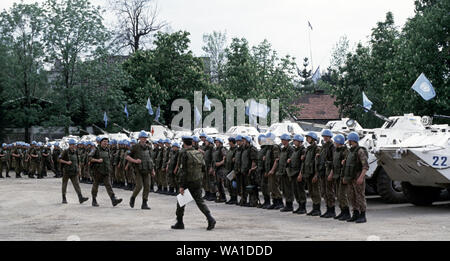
74, 29
21, 30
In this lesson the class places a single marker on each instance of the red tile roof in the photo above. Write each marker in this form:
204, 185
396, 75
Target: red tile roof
317, 107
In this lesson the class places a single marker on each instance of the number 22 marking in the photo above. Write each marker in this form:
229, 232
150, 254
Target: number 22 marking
443, 163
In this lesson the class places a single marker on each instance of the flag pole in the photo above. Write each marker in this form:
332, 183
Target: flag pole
310, 51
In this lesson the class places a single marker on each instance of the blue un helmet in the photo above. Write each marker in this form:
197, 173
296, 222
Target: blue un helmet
353, 136
175, 144
312, 135
203, 135
194, 139
133, 141
339, 139
98, 139
327, 133
72, 142
238, 138
299, 138
4, 145
219, 140
231, 139
210, 140
248, 139
167, 141
285, 137
143, 134
34, 143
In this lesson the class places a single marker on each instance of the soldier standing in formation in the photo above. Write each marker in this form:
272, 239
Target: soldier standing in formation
310, 173
327, 185
4, 160
272, 158
218, 164
283, 168
55, 156
143, 166
101, 166
70, 159
190, 171
297, 187
172, 168
339, 155
356, 166
263, 181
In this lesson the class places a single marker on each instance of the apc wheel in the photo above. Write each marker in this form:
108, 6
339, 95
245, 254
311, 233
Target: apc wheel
420, 196
390, 191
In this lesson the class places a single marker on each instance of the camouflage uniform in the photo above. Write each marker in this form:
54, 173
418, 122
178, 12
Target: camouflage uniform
282, 173
298, 188
209, 180
16, 160
70, 171
56, 164
3, 161
309, 169
34, 162
220, 172
339, 155
46, 163
171, 175
237, 168
143, 170
229, 166
165, 160
355, 162
327, 188
263, 181
249, 157
158, 166
101, 171
273, 154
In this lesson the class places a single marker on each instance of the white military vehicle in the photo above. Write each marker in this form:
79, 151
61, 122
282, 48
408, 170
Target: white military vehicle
421, 163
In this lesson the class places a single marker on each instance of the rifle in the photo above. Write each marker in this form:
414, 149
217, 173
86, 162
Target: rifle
103, 131
379, 116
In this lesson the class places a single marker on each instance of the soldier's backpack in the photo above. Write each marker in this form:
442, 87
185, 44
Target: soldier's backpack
195, 164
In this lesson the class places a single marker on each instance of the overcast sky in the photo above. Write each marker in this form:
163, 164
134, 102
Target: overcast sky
284, 23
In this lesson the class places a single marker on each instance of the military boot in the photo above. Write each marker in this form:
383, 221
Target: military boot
132, 200
64, 200
274, 204
179, 224
340, 214
354, 217
18, 176
164, 191
144, 204
345, 214
82, 199
129, 186
361, 217
206, 195
315, 211
212, 197
301, 209
287, 208
279, 204
7, 174
115, 201
159, 190
94, 202
221, 199
266, 203
211, 222
331, 213
232, 200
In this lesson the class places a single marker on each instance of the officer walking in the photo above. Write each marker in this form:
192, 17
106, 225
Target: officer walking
310, 174
190, 171
70, 159
143, 166
356, 166
100, 159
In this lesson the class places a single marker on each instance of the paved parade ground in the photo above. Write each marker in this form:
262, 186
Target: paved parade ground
31, 209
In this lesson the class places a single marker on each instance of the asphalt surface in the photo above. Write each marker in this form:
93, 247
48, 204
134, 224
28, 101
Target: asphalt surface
31, 209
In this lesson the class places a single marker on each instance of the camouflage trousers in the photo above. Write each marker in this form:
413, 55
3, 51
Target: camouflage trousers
3, 165
162, 178
221, 181
120, 174
274, 186
171, 179
328, 191
98, 178
196, 191
293, 189
356, 195
129, 173
342, 191
209, 184
142, 180
75, 183
314, 190
34, 168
